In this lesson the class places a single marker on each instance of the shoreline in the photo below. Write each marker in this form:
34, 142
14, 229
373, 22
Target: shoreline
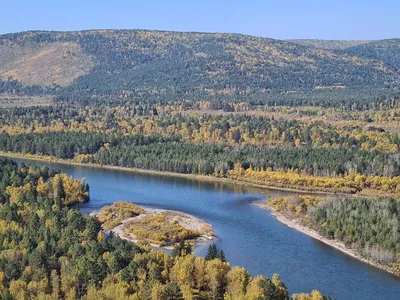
205, 178
185, 220
332, 243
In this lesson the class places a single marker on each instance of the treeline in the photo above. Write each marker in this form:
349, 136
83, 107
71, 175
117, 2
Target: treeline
232, 129
386, 110
51, 251
171, 153
369, 226
22, 184
330, 170
351, 183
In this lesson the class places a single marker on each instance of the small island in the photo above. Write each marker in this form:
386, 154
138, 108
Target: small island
158, 227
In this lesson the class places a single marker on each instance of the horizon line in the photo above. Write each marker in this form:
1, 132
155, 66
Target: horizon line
196, 32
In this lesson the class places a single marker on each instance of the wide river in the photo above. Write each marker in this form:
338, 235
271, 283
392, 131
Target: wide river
249, 235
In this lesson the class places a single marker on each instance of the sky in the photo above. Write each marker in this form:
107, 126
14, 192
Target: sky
294, 19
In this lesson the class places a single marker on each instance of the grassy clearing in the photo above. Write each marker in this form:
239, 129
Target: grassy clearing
112, 215
7, 101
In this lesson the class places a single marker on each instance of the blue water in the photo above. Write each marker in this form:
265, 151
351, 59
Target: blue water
249, 236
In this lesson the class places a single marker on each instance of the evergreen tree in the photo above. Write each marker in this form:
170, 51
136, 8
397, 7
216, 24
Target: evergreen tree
212, 252
221, 255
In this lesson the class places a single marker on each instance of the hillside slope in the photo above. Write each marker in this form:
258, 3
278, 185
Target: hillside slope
328, 44
387, 51
44, 63
196, 66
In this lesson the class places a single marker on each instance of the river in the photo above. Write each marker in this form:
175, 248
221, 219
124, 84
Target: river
249, 235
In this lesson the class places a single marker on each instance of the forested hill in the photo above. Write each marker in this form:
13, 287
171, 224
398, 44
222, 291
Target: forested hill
164, 66
387, 51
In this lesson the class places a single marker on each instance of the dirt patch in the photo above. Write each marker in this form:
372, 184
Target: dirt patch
44, 64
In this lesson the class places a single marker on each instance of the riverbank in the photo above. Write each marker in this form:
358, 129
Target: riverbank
187, 221
292, 223
172, 174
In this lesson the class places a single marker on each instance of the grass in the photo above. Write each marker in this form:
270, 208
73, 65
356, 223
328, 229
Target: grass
112, 215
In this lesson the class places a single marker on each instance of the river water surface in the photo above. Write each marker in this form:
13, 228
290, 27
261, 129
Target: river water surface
249, 235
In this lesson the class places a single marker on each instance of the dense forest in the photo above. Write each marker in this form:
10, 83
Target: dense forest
121, 65
339, 170
369, 226
49, 250
335, 152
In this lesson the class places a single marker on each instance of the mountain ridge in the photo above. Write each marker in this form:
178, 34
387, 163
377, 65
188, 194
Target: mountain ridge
167, 65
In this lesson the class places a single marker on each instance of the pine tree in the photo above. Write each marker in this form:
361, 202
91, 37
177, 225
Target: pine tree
221, 255
212, 252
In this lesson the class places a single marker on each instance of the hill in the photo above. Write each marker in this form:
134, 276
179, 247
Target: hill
168, 66
387, 51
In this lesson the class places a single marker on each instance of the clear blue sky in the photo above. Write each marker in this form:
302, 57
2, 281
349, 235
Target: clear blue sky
322, 19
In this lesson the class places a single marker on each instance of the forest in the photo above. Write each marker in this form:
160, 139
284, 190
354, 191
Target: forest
335, 154
49, 250
369, 130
